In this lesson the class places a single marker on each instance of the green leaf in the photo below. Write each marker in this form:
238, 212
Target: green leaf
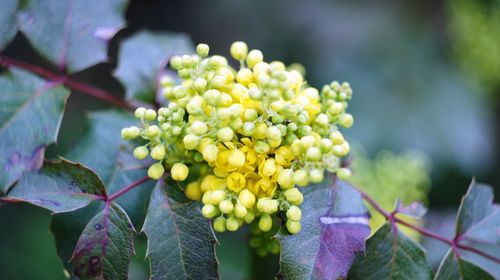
59, 186
30, 114
103, 150
180, 240
486, 231
455, 268
334, 230
72, 34
105, 246
142, 59
475, 206
391, 255
8, 21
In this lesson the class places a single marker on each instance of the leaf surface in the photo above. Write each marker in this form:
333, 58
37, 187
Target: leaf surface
454, 268
8, 21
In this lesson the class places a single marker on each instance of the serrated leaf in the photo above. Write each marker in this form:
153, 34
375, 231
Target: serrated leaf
487, 230
103, 150
105, 247
180, 240
59, 186
8, 21
475, 206
142, 58
334, 229
455, 268
72, 34
391, 255
30, 114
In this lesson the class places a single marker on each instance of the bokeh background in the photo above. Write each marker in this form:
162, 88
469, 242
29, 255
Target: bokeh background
425, 75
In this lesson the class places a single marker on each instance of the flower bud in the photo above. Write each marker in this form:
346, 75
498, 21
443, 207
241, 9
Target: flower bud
232, 224
346, 120
212, 97
341, 150
254, 57
335, 109
336, 137
220, 224
249, 217
141, 152
209, 211
200, 83
202, 50
158, 152
307, 141
217, 196
293, 227
179, 172
250, 115
300, 178
193, 191
155, 171
285, 179
226, 206
248, 128
262, 147
199, 128
225, 134
139, 112
294, 196
265, 223
313, 154
316, 176
239, 50
236, 158
176, 62
344, 173
294, 213
190, 141
269, 167
255, 93
273, 132
260, 131
150, 115
244, 76
240, 210
246, 198
153, 131
210, 153
270, 206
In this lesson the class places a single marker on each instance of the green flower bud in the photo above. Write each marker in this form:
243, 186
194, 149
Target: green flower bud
225, 134
220, 224
265, 223
190, 141
249, 217
344, 173
346, 120
273, 132
199, 127
313, 154
217, 196
239, 50
322, 120
316, 176
304, 130
179, 92
236, 123
307, 141
248, 128
325, 145
226, 206
232, 224
254, 93
155, 171
200, 83
294, 214
212, 97
254, 57
130, 132
176, 130
210, 153
270, 206
336, 137
262, 147
285, 179
139, 112
195, 105
179, 172
209, 211
202, 50
153, 131
250, 115
293, 227
240, 210
300, 178
341, 150
247, 198
158, 152
294, 196
176, 62
335, 109
141, 152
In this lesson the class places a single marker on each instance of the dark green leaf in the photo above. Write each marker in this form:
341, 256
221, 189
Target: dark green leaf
30, 114
475, 206
488, 230
103, 150
180, 240
8, 21
60, 187
72, 34
142, 59
105, 247
334, 230
391, 255
455, 268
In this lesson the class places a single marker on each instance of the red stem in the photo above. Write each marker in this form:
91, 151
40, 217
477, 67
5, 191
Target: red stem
127, 188
75, 85
423, 231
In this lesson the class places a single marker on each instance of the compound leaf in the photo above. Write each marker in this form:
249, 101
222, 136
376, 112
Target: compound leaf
8, 21
455, 268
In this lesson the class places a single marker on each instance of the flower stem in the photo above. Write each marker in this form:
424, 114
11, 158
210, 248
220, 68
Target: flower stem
127, 188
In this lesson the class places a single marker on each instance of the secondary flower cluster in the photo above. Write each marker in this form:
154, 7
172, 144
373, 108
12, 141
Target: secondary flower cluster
260, 131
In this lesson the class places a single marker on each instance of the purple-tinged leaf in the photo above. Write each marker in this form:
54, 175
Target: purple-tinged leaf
415, 209
31, 111
72, 34
486, 231
8, 23
180, 240
139, 70
60, 186
105, 246
334, 230
476, 205
391, 255
456, 268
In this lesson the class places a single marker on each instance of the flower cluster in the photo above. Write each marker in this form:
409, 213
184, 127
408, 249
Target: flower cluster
260, 131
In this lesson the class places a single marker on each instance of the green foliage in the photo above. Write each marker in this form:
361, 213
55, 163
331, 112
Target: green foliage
389, 177
7, 21
475, 27
25, 98
453, 267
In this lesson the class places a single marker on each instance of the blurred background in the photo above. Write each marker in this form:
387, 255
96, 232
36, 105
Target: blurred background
425, 75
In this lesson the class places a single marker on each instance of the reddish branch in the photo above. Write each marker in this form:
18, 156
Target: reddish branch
127, 188
64, 79
454, 243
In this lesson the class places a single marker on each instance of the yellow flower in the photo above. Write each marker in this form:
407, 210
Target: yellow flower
236, 182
